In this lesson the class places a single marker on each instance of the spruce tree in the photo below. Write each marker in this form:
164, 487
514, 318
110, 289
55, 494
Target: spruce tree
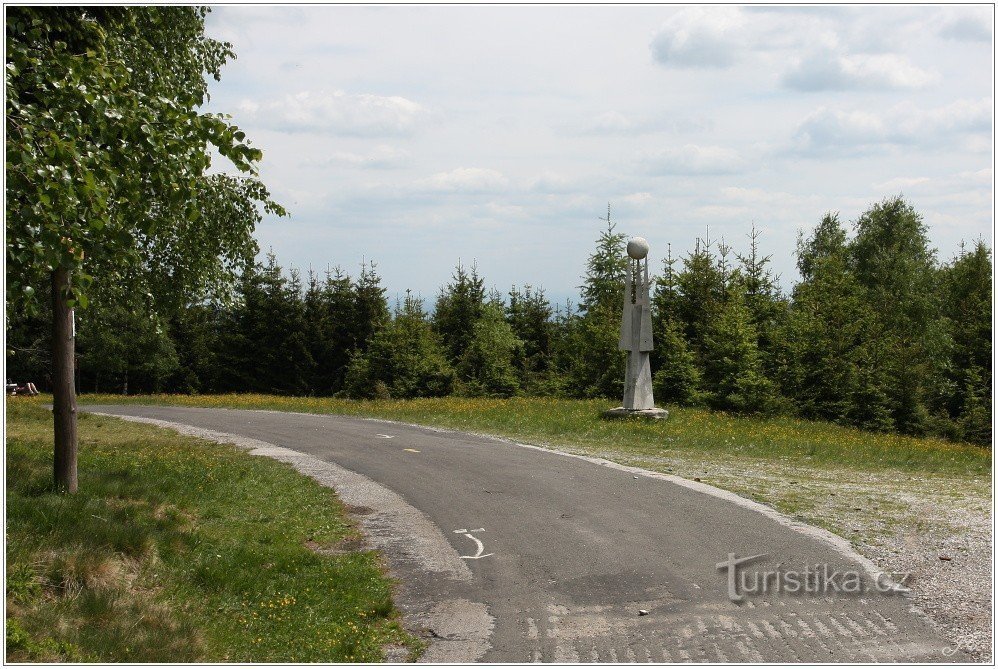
665, 305
701, 290
966, 387
734, 374
458, 308
370, 311
974, 423
564, 322
828, 333
405, 359
266, 349
487, 367
239, 365
894, 263
596, 365
529, 314
835, 368
125, 348
291, 363
195, 332
678, 378
765, 302
603, 287
317, 333
339, 298
870, 405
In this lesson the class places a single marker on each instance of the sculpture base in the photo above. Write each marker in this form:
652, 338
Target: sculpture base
649, 414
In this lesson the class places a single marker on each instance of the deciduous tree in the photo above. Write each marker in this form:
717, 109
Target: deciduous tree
107, 170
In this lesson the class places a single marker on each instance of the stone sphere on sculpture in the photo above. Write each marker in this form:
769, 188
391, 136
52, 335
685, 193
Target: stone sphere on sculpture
637, 248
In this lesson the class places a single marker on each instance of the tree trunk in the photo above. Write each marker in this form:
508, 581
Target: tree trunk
63, 387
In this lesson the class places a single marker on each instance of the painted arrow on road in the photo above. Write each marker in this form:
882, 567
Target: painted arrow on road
481, 547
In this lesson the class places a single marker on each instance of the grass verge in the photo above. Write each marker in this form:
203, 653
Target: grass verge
181, 550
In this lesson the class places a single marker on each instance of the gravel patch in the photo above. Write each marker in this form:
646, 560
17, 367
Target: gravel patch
946, 547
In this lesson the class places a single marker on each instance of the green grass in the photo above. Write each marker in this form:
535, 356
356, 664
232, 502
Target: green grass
705, 435
181, 550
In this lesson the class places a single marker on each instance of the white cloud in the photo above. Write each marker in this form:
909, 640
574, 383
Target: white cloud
703, 37
692, 159
712, 212
638, 198
831, 72
985, 176
755, 195
720, 36
644, 122
563, 134
338, 112
898, 184
501, 210
612, 122
381, 156
769, 204
953, 190
845, 132
465, 180
968, 27
551, 182
958, 116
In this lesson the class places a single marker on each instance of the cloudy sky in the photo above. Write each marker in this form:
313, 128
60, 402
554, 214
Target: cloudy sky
418, 136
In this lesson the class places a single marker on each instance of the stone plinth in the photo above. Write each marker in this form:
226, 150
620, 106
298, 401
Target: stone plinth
649, 414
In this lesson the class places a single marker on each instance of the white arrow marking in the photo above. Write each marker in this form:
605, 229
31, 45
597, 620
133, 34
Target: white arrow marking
481, 548
384, 436
467, 533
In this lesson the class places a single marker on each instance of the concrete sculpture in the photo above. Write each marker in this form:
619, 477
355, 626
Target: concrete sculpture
636, 336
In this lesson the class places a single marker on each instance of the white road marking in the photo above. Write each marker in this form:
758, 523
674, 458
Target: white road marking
384, 436
411, 450
481, 547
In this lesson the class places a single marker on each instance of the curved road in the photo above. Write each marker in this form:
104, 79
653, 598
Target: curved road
508, 553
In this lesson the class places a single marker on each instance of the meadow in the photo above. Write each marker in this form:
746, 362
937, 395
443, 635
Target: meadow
181, 550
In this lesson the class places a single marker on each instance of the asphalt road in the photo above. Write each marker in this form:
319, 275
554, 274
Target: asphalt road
510, 554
